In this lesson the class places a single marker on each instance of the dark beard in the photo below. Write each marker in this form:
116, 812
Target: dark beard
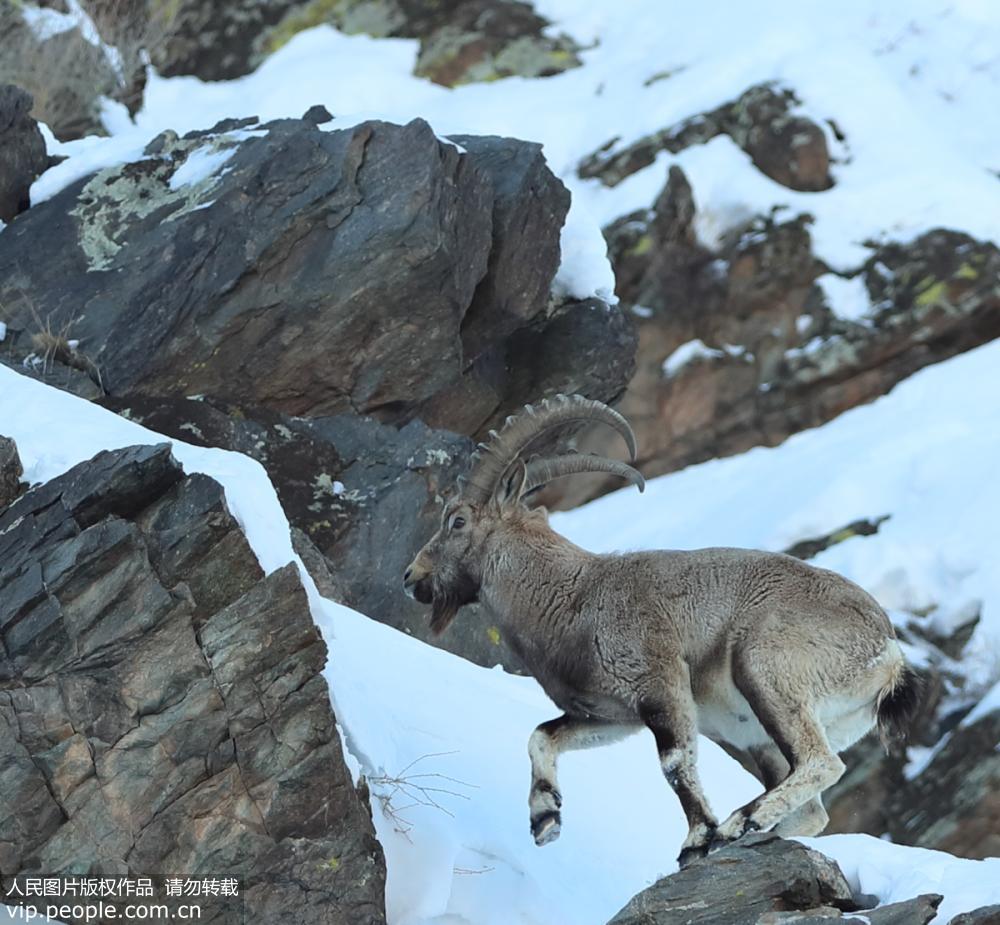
448, 601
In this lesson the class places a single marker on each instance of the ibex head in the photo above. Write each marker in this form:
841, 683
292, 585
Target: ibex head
448, 571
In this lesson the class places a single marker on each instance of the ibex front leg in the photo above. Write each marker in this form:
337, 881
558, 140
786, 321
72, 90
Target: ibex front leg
670, 715
547, 742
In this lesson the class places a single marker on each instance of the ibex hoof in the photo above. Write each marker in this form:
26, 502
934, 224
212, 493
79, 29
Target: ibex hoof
691, 854
731, 832
546, 828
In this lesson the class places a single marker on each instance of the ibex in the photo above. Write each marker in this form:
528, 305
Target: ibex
781, 663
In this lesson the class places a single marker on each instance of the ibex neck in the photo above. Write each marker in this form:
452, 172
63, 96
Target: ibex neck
532, 580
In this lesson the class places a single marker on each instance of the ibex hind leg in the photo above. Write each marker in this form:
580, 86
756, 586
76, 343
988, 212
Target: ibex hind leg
802, 742
771, 769
547, 742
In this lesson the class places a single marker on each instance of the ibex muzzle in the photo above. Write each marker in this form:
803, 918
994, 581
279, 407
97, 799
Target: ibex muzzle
782, 663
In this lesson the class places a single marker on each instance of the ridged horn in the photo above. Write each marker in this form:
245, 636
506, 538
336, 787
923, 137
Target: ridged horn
520, 430
542, 471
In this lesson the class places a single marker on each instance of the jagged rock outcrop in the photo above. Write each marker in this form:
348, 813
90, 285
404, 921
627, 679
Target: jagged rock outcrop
743, 345
22, 151
786, 146
365, 497
763, 880
11, 471
370, 270
161, 702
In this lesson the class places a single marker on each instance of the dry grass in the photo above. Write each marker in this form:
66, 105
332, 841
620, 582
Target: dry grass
58, 346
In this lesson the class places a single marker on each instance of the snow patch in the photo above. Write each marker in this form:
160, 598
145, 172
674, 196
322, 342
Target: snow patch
688, 353
846, 298
201, 164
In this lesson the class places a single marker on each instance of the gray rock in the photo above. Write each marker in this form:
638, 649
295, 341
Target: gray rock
917, 911
375, 270
22, 151
764, 880
741, 885
162, 704
362, 497
953, 805
11, 471
987, 915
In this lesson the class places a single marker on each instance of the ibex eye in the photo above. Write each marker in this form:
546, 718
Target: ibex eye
458, 523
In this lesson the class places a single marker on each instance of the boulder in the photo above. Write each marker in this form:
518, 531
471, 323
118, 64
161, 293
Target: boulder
763, 880
786, 146
11, 471
376, 270
162, 701
741, 346
22, 151
64, 73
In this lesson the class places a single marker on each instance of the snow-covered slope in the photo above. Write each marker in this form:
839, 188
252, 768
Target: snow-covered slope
459, 850
912, 86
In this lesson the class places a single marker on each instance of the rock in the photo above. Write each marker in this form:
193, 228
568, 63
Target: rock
461, 41
812, 547
64, 73
764, 880
987, 915
789, 148
11, 471
953, 805
163, 703
362, 497
200, 310
745, 883
212, 41
22, 151
528, 202
380, 290
917, 911
739, 346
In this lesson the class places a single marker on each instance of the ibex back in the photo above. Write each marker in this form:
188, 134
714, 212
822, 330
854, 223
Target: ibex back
782, 663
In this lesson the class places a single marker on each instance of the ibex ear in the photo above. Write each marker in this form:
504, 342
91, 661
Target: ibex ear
511, 484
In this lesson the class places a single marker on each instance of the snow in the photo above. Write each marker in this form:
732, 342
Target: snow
201, 164
926, 461
3, 331
688, 353
894, 873
846, 298
912, 86
46, 22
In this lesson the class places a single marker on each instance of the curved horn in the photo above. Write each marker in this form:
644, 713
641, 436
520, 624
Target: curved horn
492, 457
541, 471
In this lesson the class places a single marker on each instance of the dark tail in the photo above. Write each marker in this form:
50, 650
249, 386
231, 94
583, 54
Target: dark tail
897, 706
